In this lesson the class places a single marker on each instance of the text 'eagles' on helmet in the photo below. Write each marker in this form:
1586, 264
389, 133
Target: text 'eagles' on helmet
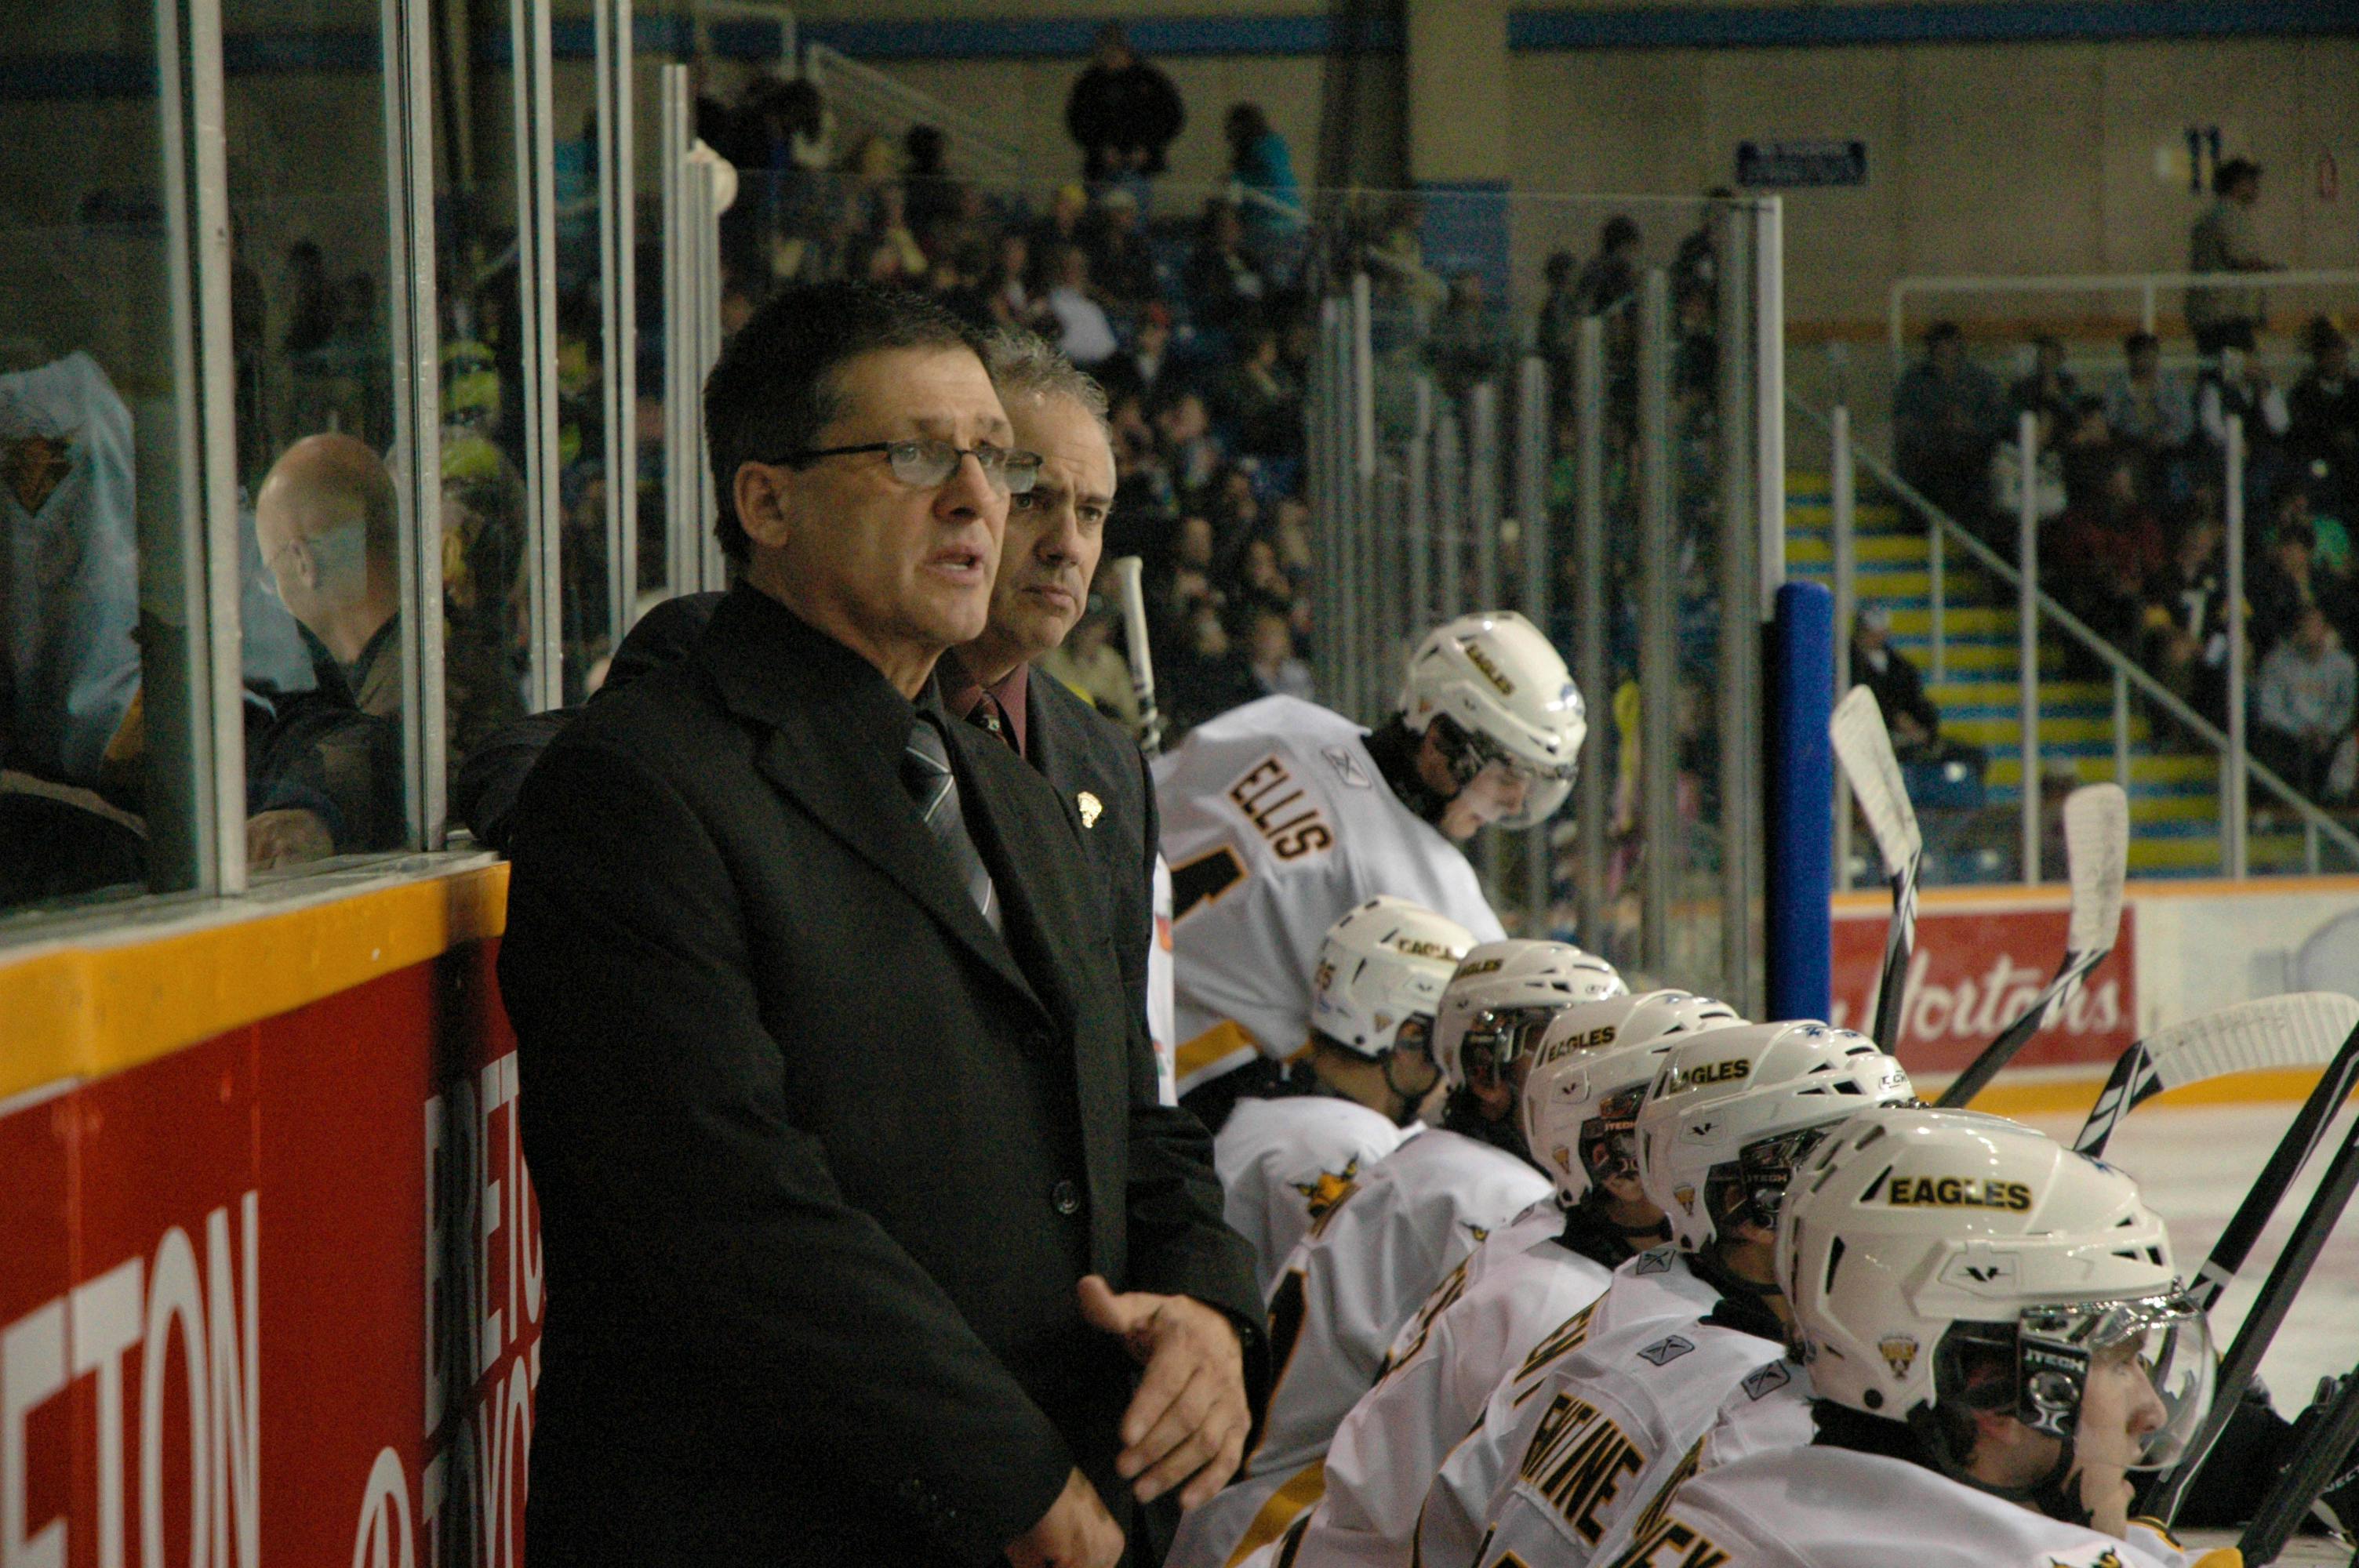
1506, 689
1383, 966
1955, 1258
1589, 1075
1737, 1108
1505, 994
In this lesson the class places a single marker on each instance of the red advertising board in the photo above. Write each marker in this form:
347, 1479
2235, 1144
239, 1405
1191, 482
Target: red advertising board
1973, 971
275, 1296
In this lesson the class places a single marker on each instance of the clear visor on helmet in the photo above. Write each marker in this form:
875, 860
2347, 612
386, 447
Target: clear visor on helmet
1545, 784
1609, 1140
1765, 1166
2144, 1367
1502, 1034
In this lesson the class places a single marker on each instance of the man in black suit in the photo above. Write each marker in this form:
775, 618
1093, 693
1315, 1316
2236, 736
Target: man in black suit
854, 1183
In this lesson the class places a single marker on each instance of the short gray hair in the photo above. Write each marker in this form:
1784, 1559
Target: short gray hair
1025, 364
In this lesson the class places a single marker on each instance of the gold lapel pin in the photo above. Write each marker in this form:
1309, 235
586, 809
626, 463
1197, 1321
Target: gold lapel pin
1090, 806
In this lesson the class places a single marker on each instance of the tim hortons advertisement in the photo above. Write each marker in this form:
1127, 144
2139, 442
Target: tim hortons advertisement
276, 1297
1973, 971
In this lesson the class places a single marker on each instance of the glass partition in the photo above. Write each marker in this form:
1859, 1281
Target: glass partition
105, 741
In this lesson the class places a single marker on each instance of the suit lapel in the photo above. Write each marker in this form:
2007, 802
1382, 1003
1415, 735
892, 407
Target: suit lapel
826, 717
1016, 816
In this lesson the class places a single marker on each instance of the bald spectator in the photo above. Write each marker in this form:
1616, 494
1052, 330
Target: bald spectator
326, 770
326, 516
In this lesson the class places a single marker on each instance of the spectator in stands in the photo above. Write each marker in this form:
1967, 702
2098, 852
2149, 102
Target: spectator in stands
1696, 263
2184, 624
2236, 386
1224, 285
1209, 673
2222, 241
1695, 355
2106, 547
1947, 414
1191, 585
1556, 333
1274, 668
935, 196
1876, 663
1256, 401
1613, 273
1465, 348
1138, 372
2297, 510
2148, 406
1121, 259
1007, 288
1123, 112
889, 230
2325, 413
2308, 690
1082, 330
1263, 165
2291, 581
2048, 473
1189, 451
2050, 388
1061, 226
1089, 663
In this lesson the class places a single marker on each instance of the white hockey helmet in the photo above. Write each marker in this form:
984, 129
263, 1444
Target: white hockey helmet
1916, 1241
1506, 993
1744, 1105
1590, 1073
1502, 684
1383, 966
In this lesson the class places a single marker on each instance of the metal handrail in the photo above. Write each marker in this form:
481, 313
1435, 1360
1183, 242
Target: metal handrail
2124, 668
833, 71
2146, 284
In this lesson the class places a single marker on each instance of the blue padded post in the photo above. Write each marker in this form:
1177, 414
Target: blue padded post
1797, 815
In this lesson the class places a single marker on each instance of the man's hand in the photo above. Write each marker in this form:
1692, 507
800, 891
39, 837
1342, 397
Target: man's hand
1187, 1422
1076, 1532
287, 836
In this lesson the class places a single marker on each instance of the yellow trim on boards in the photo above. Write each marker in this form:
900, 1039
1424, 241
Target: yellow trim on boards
2059, 1097
87, 1009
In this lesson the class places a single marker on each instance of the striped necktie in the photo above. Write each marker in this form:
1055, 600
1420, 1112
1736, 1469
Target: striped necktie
926, 774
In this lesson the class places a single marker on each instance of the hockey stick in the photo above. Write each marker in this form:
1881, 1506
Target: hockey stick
1865, 748
2302, 1029
2260, 1324
2306, 1475
1128, 570
2096, 851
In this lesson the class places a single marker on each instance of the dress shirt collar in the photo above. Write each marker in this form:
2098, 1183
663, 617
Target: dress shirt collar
960, 693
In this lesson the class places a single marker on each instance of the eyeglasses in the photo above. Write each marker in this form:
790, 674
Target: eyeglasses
930, 463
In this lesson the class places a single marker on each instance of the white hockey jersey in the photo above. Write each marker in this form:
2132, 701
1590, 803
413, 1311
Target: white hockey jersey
1276, 824
1357, 1277
1617, 1423
1162, 1014
1812, 1507
1286, 1163
1654, 1292
1517, 1286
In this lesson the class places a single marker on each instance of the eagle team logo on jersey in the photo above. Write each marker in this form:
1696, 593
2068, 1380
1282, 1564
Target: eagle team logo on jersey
1327, 1192
1899, 1352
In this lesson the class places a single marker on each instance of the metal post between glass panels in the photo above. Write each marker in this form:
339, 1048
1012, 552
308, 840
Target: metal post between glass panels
2121, 727
2026, 611
1371, 645
1533, 438
1329, 631
2233, 817
706, 206
417, 409
682, 567
1658, 630
618, 310
1589, 627
1843, 481
536, 184
1741, 616
1449, 486
1768, 338
1417, 468
1483, 519
1940, 661
204, 599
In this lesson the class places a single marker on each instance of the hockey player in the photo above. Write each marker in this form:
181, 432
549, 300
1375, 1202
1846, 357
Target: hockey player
1578, 1108
1364, 1268
1280, 815
1304, 1133
1564, 1452
1996, 1339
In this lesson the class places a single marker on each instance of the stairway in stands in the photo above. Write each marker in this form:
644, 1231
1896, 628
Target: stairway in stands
2174, 793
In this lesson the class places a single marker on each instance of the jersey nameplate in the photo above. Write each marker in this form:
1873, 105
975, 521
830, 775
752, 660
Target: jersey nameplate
1577, 1460
1271, 800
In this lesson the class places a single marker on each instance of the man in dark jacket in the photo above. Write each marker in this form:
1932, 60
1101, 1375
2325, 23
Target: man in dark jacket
855, 1186
1123, 112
